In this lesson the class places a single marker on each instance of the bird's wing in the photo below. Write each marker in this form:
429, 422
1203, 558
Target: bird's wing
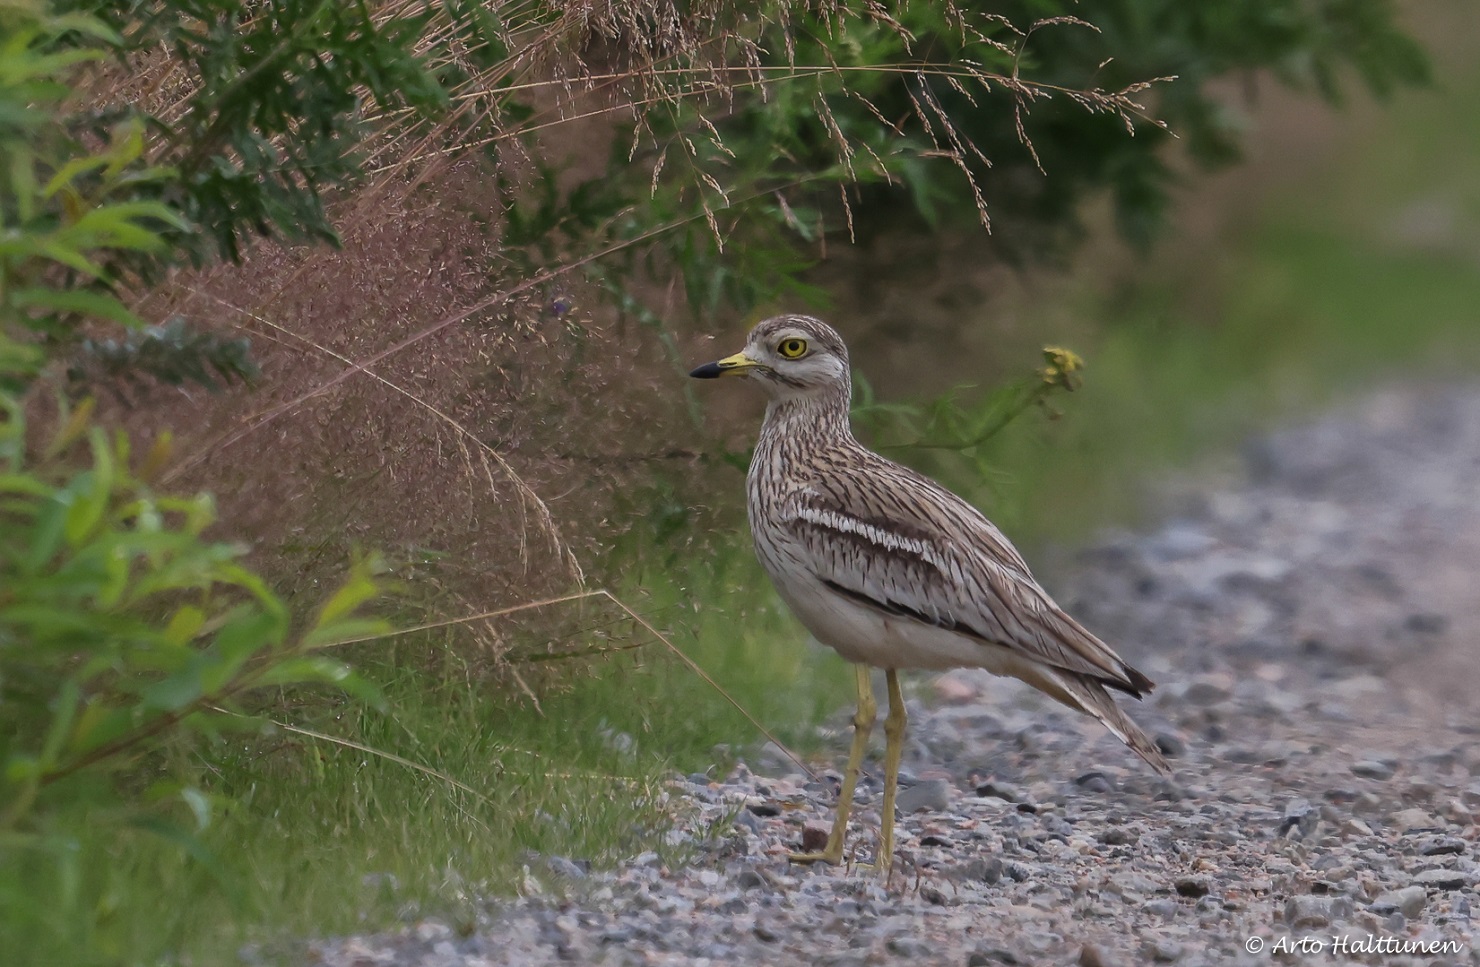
891, 538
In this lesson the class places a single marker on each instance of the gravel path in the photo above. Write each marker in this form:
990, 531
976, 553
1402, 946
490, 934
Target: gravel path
1312, 616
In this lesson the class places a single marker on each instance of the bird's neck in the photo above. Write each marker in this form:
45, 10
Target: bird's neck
811, 420
799, 434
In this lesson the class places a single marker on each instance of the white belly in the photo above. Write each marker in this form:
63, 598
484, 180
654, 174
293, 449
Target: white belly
871, 637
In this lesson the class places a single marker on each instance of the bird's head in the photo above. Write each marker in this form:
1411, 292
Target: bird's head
790, 357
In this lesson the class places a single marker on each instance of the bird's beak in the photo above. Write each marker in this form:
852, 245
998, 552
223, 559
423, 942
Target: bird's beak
736, 365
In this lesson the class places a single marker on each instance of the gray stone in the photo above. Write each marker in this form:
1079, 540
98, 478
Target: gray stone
1373, 769
1119, 836
561, 866
1209, 906
617, 933
1443, 845
980, 869
1317, 911
1018, 872
1206, 692
1408, 901
1162, 907
931, 794
1300, 818
1129, 882
993, 789
912, 947
1192, 886
935, 896
749, 879
1094, 782
1414, 819
1170, 745
1441, 879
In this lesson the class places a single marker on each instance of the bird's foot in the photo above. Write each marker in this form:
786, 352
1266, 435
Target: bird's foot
879, 869
829, 857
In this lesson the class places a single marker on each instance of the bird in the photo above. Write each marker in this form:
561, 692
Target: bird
894, 571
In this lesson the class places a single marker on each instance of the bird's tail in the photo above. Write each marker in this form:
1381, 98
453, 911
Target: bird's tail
1090, 697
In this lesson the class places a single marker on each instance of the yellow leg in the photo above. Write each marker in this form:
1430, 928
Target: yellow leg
863, 723
893, 748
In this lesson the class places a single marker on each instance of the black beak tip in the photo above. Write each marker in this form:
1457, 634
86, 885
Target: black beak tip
707, 371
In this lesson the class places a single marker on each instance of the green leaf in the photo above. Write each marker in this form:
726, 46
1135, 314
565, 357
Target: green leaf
96, 304
46, 537
312, 669
100, 724
349, 630
184, 625
68, 256
23, 181
70, 171
360, 587
178, 690
89, 502
63, 714
128, 145
250, 631
23, 483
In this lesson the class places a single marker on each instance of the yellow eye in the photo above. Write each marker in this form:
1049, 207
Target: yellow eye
792, 348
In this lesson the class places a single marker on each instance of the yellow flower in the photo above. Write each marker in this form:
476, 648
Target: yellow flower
1063, 367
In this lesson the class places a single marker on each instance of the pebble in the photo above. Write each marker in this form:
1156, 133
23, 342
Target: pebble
566, 868
1161, 908
814, 838
1091, 955
1407, 820
1300, 817
1443, 845
911, 947
1170, 745
1441, 879
1373, 769
981, 869
1118, 836
1094, 782
930, 794
999, 790
1192, 886
1409, 901
1317, 911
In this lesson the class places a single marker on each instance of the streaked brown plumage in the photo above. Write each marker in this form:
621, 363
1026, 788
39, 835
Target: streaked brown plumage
891, 569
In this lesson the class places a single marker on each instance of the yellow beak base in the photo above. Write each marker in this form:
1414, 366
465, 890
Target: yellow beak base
735, 365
